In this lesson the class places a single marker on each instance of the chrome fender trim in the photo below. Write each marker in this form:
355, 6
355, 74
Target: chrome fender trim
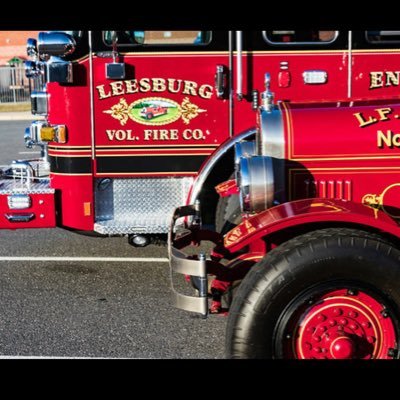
271, 140
213, 160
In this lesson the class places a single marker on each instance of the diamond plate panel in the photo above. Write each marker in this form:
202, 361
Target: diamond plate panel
11, 186
125, 206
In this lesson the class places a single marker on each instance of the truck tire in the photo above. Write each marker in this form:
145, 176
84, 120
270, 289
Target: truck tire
149, 116
330, 293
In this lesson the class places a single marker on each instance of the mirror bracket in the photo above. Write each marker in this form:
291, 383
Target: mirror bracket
115, 70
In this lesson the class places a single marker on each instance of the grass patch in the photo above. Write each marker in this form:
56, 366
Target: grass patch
9, 107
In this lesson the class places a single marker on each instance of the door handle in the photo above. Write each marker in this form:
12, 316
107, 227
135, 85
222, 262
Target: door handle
20, 217
220, 81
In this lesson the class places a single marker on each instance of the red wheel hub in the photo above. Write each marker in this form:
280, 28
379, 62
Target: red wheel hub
343, 325
342, 347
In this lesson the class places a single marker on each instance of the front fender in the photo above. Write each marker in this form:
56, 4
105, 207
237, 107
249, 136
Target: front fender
210, 164
309, 211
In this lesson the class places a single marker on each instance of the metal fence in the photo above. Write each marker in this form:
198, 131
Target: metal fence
15, 87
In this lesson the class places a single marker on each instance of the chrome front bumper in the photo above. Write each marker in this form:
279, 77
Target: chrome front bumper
181, 264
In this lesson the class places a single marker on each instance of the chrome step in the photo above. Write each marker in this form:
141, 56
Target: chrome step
134, 223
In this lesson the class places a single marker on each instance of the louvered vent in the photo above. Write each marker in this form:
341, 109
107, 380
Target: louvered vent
330, 189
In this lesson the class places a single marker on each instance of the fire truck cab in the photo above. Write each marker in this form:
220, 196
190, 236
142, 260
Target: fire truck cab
299, 133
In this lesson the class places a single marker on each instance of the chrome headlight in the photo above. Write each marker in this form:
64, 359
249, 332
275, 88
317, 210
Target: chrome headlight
244, 149
255, 179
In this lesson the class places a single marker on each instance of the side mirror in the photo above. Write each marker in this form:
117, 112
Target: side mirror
55, 44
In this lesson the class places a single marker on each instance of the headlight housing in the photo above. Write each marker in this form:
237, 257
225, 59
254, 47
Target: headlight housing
255, 179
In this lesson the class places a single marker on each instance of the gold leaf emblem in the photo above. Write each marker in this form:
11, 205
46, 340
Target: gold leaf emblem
377, 201
189, 110
154, 111
119, 111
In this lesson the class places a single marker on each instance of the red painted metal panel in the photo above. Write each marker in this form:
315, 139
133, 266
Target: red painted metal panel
375, 74
70, 105
256, 64
42, 207
196, 121
76, 204
307, 211
355, 147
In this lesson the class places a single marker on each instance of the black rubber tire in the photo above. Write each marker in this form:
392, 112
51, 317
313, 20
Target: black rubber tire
228, 214
320, 257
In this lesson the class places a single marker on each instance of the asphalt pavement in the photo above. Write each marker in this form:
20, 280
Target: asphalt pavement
68, 295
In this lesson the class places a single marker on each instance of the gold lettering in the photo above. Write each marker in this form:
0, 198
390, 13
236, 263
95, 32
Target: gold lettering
198, 134
392, 78
387, 139
205, 91
382, 113
172, 85
102, 93
156, 85
117, 88
147, 134
396, 139
131, 86
174, 134
190, 88
362, 121
110, 134
376, 80
120, 135
145, 85
159, 85
129, 135
163, 134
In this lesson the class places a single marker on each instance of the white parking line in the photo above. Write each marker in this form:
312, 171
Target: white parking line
86, 259
29, 152
57, 358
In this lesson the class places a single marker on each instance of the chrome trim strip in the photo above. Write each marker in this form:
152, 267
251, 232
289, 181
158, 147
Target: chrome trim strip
210, 163
350, 67
272, 144
239, 65
91, 88
230, 83
272, 137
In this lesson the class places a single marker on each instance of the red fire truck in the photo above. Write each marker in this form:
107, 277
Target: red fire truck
153, 111
297, 130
